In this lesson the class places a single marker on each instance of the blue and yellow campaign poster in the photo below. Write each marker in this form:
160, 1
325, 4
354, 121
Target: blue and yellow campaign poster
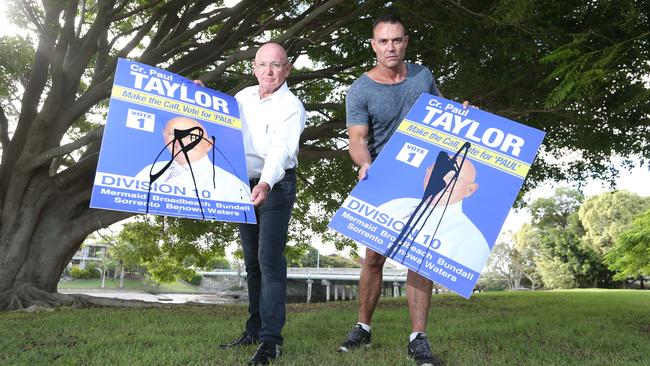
437, 195
172, 148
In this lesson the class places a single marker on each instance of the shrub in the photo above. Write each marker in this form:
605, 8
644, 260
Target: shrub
196, 280
78, 273
92, 272
86, 273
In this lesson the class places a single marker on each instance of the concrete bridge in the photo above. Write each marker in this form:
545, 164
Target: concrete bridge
325, 284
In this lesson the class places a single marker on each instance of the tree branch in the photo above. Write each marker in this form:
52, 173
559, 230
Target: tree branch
295, 29
325, 130
318, 74
77, 171
229, 32
285, 36
177, 38
316, 152
10, 195
4, 130
322, 106
48, 155
135, 41
33, 17
63, 42
115, 17
91, 97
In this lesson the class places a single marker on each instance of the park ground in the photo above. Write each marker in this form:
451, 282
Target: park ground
129, 285
577, 327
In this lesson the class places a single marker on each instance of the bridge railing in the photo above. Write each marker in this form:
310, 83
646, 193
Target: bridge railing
332, 274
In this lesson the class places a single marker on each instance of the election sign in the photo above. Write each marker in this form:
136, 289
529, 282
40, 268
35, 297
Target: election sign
437, 195
172, 148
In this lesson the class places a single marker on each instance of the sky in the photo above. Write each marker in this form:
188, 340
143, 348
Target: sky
636, 180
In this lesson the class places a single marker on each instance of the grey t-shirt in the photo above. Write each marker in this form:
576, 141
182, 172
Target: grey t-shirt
383, 106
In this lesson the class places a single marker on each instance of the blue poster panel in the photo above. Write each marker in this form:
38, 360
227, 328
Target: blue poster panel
437, 195
171, 148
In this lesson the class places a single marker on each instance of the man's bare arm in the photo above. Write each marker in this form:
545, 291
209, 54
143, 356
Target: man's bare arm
359, 152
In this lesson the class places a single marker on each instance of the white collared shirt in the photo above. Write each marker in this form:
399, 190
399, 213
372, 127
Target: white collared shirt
271, 129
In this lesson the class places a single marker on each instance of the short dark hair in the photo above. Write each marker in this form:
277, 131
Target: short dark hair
390, 18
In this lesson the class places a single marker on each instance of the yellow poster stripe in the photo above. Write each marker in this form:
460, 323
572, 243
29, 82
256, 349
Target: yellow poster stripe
174, 106
482, 154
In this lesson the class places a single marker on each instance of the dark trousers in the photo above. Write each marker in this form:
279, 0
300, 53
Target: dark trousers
266, 267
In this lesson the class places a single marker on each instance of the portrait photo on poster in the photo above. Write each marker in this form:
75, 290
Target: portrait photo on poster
172, 148
438, 214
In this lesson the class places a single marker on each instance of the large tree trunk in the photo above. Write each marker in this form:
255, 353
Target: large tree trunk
36, 251
45, 183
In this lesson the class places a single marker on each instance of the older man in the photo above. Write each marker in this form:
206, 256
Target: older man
273, 119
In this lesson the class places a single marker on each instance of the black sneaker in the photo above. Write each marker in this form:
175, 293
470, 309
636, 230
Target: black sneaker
357, 337
266, 352
420, 351
244, 340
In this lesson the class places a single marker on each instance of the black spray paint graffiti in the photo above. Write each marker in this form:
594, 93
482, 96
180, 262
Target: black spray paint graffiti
195, 135
443, 165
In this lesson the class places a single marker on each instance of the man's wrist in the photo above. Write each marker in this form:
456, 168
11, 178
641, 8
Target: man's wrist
264, 185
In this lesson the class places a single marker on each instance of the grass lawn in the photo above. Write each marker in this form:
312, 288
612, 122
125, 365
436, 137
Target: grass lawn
582, 327
129, 285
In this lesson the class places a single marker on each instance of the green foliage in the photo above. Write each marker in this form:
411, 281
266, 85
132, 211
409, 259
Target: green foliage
337, 261
86, 273
196, 280
217, 262
168, 247
165, 269
598, 59
78, 273
504, 264
556, 243
294, 254
492, 281
554, 211
16, 55
556, 273
574, 69
630, 256
527, 244
189, 261
571, 242
606, 215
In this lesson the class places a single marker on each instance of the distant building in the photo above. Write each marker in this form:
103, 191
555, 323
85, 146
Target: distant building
89, 252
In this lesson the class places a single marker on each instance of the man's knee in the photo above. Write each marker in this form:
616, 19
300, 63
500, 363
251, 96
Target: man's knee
252, 266
374, 261
272, 261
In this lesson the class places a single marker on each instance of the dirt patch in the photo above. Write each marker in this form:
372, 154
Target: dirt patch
645, 328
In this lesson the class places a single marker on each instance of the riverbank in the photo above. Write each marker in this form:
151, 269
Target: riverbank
210, 291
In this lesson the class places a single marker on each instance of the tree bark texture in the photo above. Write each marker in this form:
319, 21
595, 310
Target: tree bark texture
45, 181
